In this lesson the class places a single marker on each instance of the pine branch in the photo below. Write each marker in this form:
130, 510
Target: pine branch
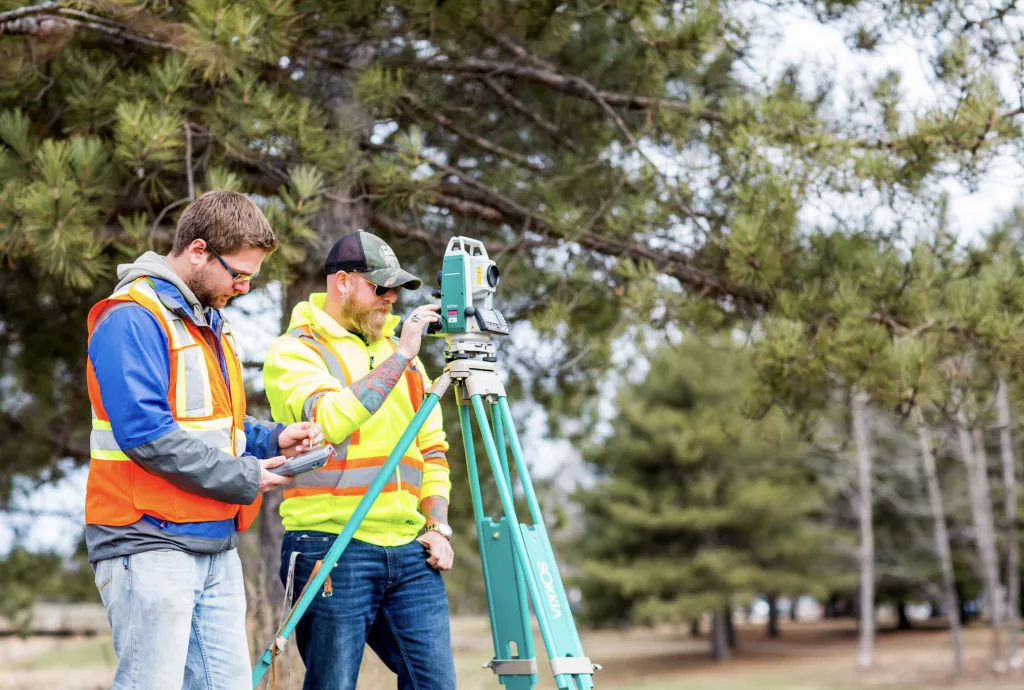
550, 127
571, 85
439, 242
470, 209
459, 131
48, 19
25, 11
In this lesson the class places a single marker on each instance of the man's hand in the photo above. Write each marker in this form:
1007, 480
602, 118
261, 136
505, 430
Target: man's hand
299, 438
269, 480
441, 554
412, 329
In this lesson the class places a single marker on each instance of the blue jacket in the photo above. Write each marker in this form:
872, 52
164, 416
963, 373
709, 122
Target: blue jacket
129, 355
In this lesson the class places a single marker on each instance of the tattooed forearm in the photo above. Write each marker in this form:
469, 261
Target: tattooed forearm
374, 388
435, 509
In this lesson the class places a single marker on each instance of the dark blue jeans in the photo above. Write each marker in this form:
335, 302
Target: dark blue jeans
388, 598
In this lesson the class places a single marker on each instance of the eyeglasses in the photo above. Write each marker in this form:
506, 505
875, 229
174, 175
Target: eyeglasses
236, 276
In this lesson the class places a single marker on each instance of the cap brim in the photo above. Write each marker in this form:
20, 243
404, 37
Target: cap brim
389, 277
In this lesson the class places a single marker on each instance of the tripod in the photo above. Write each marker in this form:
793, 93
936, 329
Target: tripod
517, 559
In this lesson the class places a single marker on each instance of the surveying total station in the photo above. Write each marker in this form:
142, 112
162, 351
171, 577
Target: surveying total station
518, 562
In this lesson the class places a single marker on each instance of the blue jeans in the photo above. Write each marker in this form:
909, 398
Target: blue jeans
388, 598
178, 620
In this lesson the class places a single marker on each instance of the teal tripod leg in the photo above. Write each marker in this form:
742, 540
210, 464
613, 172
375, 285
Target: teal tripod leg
524, 608
331, 558
514, 662
539, 603
571, 658
465, 423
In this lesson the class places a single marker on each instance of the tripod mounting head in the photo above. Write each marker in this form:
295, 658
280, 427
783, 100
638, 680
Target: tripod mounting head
470, 346
467, 282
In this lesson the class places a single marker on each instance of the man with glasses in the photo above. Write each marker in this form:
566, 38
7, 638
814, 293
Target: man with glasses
177, 468
341, 365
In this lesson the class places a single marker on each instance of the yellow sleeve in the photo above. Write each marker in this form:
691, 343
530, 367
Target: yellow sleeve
300, 387
433, 445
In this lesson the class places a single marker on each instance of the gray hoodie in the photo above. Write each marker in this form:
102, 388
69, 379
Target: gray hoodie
179, 457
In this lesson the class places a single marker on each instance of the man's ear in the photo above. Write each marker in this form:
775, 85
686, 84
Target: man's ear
195, 251
339, 280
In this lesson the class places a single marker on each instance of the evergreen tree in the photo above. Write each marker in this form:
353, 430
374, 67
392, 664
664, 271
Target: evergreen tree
697, 507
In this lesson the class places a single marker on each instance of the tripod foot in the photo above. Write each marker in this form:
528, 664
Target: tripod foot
573, 665
512, 667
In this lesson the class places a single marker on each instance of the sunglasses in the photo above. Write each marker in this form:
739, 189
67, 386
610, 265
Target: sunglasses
379, 290
237, 276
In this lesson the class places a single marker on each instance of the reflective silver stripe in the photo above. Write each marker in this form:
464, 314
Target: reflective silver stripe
146, 289
362, 476
107, 314
333, 365
215, 438
320, 479
195, 380
411, 476
310, 405
355, 478
103, 439
434, 454
239, 442
181, 335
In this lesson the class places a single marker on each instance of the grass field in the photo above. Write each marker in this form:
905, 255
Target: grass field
808, 656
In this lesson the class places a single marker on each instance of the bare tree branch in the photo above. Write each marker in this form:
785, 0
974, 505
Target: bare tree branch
571, 85
481, 142
550, 127
59, 20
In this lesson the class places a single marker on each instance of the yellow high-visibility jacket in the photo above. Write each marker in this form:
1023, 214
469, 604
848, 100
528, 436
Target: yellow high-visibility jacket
308, 373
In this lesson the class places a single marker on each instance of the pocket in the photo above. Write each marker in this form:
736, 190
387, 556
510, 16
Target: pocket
103, 578
313, 546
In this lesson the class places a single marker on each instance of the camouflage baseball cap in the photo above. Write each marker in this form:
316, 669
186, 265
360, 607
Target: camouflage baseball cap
370, 256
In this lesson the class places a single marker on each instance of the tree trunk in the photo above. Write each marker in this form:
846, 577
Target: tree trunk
333, 221
998, 605
984, 532
902, 620
1011, 535
730, 629
792, 608
773, 615
719, 637
862, 442
695, 627
950, 601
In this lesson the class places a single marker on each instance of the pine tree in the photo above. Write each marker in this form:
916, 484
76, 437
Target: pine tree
697, 507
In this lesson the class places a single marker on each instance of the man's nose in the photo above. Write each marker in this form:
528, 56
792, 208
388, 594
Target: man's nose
391, 296
243, 287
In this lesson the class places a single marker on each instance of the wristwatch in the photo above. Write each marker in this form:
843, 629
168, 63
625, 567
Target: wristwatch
442, 528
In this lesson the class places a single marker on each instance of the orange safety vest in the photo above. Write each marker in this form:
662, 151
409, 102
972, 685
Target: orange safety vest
119, 492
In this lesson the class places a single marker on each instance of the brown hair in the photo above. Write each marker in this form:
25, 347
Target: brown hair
228, 221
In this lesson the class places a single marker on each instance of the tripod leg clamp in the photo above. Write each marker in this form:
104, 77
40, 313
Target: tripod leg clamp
512, 667
572, 665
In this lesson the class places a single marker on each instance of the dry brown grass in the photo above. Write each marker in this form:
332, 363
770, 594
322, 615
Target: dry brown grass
808, 656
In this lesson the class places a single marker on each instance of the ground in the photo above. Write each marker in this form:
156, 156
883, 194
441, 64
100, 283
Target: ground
808, 656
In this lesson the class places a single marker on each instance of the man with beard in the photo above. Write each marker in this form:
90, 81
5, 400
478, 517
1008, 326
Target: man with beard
175, 469
341, 366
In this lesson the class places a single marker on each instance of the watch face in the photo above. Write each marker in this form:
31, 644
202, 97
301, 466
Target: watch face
442, 528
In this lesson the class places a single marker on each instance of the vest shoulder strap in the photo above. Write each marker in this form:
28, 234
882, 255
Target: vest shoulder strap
314, 341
